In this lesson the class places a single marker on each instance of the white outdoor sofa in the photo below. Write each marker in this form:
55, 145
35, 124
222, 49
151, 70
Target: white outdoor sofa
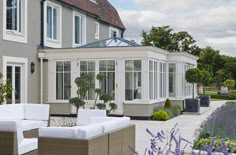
30, 117
95, 134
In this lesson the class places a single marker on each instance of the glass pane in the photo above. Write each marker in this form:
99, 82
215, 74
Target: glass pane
67, 86
59, 66
67, 66
19, 16
151, 82
55, 24
128, 86
111, 84
59, 86
9, 78
137, 85
17, 84
137, 65
129, 65
111, 65
11, 18
91, 92
49, 22
102, 65
91, 66
150, 65
83, 66
77, 30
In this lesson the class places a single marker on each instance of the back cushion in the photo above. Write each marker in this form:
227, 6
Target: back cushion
89, 131
115, 124
12, 126
84, 115
58, 132
37, 112
12, 112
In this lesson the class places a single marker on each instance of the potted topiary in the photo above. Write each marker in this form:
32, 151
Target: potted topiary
205, 80
193, 76
5, 90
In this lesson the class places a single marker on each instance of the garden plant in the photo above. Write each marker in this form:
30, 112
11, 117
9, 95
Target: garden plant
5, 90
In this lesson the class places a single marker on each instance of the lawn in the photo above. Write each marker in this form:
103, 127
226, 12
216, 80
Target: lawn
217, 97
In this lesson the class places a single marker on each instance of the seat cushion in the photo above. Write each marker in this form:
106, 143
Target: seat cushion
58, 132
12, 112
93, 120
36, 112
28, 145
89, 131
30, 124
84, 115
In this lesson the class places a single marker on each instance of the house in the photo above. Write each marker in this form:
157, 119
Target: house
29, 25
139, 78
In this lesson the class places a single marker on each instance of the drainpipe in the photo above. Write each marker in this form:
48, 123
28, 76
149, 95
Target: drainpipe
41, 56
42, 23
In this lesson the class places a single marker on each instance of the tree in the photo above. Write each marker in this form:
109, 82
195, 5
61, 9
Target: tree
230, 67
164, 38
205, 80
229, 83
5, 90
83, 83
193, 76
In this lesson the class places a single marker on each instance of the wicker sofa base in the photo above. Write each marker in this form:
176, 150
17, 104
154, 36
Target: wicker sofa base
57, 146
31, 133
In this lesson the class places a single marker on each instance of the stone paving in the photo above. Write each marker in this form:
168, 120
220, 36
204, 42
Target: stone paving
187, 125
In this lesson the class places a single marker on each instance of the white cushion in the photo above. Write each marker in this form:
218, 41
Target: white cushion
12, 126
37, 112
28, 145
58, 132
101, 119
122, 122
108, 126
88, 131
84, 115
30, 124
12, 112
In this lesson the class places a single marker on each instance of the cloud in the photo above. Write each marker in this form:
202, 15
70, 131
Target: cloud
207, 21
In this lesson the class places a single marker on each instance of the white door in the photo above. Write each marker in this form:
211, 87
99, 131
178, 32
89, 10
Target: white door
14, 76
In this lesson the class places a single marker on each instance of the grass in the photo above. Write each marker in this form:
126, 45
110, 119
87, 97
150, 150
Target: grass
215, 92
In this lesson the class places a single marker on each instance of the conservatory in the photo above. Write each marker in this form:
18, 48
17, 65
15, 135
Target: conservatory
139, 78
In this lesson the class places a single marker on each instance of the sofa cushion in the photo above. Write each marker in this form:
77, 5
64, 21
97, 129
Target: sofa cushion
88, 131
101, 119
12, 112
28, 145
84, 115
58, 132
30, 124
37, 112
122, 122
12, 126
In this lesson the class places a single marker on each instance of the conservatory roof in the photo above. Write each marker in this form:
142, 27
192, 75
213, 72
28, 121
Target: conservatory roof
111, 42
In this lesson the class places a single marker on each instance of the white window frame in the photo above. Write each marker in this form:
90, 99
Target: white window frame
83, 24
21, 61
113, 29
97, 30
48, 41
13, 35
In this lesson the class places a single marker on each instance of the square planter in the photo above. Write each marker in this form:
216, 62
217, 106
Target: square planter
192, 105
205, 101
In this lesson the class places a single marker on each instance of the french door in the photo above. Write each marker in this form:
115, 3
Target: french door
14, 76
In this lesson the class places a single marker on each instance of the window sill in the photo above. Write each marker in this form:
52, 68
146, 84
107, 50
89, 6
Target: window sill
14, 36
53, 43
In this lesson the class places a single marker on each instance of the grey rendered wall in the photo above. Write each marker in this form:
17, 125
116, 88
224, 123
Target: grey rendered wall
28, 50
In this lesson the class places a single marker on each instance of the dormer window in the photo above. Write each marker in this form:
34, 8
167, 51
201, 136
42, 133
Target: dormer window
113, 32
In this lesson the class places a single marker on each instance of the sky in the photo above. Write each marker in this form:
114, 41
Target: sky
210, 22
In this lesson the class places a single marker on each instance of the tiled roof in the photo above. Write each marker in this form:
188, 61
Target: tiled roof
102, 8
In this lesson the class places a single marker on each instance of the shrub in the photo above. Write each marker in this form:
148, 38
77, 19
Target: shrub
160, 115
176, 109
231, 97
169, 111
167, 104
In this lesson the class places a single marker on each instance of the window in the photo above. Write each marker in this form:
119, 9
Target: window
15, 20
52, 22
133, 79
97, 30
107, 68
114, 33
162, 80
88, 67
63, 80
52, 25
172, 79
187, 86
153, 83
79, 29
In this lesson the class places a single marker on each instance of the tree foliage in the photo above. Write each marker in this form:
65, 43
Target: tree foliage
165, 38
5, 90
229, 83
